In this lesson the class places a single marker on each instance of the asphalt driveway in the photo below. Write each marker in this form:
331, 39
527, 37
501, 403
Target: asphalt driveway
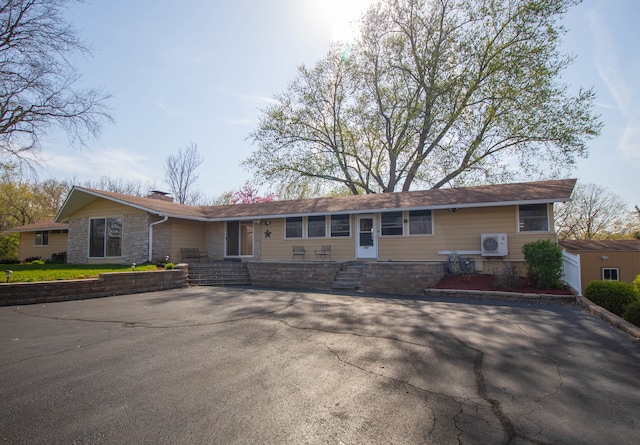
235, 366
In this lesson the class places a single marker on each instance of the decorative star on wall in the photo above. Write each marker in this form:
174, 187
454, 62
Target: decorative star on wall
267, 234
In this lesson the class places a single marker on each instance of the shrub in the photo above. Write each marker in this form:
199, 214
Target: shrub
60, 257
507, 277
636, 284
31, 260
37, 262
544, 263
9, 261
632, 312
169, 266
614, 296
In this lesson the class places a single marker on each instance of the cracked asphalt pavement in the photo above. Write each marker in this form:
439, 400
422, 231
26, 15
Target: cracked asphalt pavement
233, 366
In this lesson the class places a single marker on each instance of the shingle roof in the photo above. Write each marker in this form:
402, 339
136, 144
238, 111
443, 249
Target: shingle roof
82, 196
600, 245
478, 196
40, 225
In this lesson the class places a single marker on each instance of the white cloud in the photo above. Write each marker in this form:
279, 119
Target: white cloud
92, 164
255, 98
240, 121
167, 109
620, 83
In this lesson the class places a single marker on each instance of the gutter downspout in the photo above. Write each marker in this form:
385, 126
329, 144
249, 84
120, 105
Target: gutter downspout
166, 218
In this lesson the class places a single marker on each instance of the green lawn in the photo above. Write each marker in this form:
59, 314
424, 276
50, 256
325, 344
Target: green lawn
52, 272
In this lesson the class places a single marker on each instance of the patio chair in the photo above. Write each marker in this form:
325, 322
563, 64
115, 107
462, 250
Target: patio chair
323, 253
298, 251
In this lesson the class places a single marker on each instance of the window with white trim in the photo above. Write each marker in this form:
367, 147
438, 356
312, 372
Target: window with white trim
420, 222
391, 223
293, 227
41, 238
340, 225
610, 273
105, 237
533, 218
316, 226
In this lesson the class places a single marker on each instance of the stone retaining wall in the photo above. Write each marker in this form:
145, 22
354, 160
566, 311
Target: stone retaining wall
293, 275
501, 295
106, 285
400, 278
384, 277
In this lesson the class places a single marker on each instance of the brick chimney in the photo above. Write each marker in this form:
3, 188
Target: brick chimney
162, 196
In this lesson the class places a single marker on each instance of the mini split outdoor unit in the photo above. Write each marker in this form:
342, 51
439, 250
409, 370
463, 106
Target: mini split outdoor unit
494, 244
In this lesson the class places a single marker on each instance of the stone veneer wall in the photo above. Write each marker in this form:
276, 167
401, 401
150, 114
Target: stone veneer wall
78, 241
106, 285
291, 275
384, 277
400, 278
135, 241
135, 238
215, 236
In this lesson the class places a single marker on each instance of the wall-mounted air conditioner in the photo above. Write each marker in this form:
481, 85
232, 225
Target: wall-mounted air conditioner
494, 244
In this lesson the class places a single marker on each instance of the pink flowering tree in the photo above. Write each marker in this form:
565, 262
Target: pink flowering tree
248, 194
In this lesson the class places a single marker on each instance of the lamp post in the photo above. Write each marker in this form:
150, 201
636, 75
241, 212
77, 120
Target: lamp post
8, 273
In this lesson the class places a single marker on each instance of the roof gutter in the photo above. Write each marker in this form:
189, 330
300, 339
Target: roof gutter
165, 219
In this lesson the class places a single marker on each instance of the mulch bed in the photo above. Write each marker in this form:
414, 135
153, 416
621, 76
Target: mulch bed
487, 282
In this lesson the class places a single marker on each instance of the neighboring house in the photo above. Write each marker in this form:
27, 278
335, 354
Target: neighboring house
42, 239
487, 223
617, 260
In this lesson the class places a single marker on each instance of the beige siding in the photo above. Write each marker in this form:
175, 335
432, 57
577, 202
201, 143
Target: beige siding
57, 244
457, 231
460, 231
277, 247
591, 265
103, 207
187, 234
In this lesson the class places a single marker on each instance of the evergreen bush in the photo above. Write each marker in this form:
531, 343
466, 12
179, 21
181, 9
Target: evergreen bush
632, 313
544, 264
614, 296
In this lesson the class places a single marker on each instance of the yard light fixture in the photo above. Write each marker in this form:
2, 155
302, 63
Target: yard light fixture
8, 273
133, 266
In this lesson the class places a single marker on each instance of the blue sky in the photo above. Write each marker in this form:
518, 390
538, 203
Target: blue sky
199, 71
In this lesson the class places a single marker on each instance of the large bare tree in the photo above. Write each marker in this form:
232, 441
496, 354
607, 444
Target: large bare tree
595, 212
180, 174
434, 93
38, 82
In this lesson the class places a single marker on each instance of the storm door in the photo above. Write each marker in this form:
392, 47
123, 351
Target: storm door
367, 246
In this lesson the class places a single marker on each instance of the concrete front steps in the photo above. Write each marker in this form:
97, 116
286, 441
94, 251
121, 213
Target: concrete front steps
349, 277
219, 273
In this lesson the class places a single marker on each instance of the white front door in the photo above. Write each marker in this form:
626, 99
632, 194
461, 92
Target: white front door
366, 240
